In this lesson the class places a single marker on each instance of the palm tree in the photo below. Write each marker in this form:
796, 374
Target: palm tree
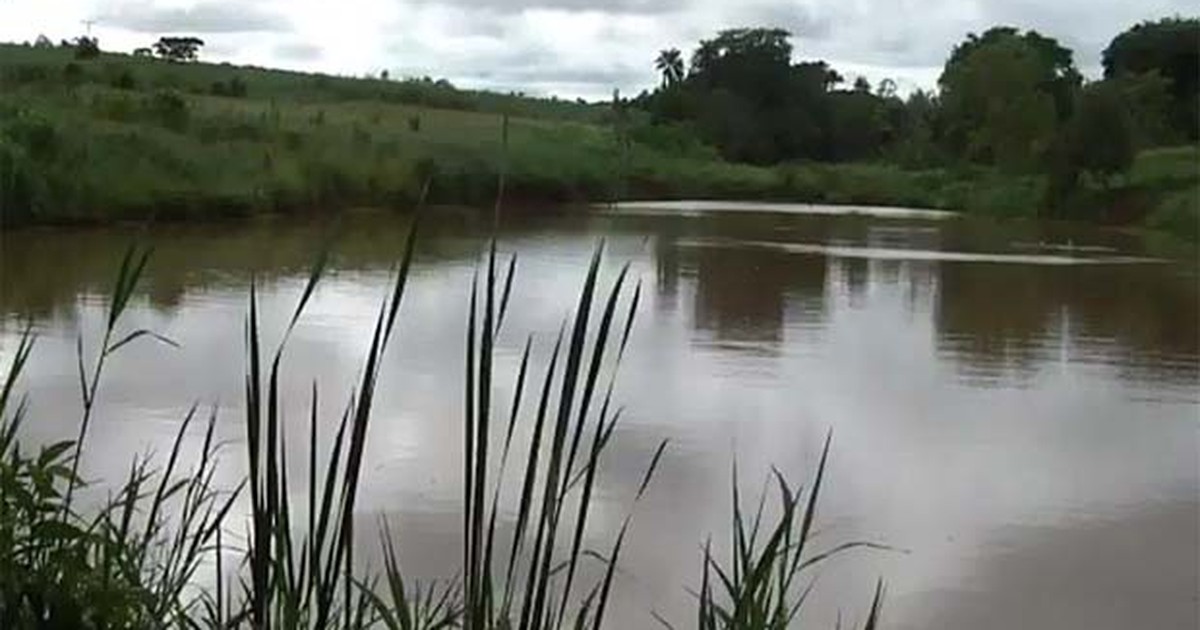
670, 64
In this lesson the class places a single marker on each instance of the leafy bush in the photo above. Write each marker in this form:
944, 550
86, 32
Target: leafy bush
125, 81
1178, 213
87, 48
801, 183
35, 134
128, 565
672, 138
234, 88
169, 109
73, 73
19, 184
237, 87
116, 107
21, 74
1006, 197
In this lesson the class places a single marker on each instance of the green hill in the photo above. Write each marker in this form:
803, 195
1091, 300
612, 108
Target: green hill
126, 136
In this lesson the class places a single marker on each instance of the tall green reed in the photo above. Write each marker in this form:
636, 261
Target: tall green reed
533, 584
764, 583
302, 575
132, 562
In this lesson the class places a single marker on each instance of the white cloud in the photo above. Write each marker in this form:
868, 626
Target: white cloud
572, 47
220, 16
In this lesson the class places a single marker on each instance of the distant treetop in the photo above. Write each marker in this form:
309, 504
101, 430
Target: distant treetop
1170, 47
178, 48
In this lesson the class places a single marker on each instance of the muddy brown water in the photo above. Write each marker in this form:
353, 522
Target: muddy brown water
1015, 406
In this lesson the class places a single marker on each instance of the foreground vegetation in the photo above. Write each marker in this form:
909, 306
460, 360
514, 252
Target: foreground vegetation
99, 137
170, 548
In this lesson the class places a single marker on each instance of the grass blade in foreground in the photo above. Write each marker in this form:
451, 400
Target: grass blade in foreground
306, 579
758, 587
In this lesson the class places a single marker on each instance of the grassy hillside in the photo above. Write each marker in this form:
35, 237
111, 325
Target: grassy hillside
120, 136
130, 137
23, 64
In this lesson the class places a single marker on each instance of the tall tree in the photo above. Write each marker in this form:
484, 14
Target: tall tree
753, 63
1102, 132
670, 64
1147, 96
742, 81
1099, 140
886, 88
1053, 62
87, 47
815, 76
1003, 93
178, 48
743, 95
856, 125
1170, 47
916, 130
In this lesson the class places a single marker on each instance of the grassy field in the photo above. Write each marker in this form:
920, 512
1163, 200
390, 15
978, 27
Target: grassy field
122, 137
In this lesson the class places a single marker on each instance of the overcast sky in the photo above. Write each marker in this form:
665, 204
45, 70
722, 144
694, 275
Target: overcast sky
571, 47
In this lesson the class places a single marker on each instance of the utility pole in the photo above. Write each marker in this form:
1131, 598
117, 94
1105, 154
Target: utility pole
88, 24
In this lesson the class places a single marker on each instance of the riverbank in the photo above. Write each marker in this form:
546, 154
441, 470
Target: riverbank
120, 137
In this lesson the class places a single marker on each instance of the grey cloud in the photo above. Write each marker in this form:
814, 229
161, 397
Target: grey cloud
897, 45
486, 43
298, 51
494, 29
479, 23
899, 38
906, 47
222, 48
221, 16
530, 69
1085, 26
537, 66
610, 76
642, 7
803, 23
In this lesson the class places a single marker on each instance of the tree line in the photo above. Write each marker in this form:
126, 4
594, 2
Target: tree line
179, 49
1006, 98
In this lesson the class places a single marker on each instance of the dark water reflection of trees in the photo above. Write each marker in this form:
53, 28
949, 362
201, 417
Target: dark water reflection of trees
987, 316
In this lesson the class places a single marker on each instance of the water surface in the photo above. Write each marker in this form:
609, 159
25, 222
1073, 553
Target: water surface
1013, 406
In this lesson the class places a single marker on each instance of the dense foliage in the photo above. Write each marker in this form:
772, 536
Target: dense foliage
179, 48
743, 94
1003, 94
1005, 98
1008, 99
1169, 48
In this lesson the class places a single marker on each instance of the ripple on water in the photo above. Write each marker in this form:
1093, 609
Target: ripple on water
685, 208
901, 254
